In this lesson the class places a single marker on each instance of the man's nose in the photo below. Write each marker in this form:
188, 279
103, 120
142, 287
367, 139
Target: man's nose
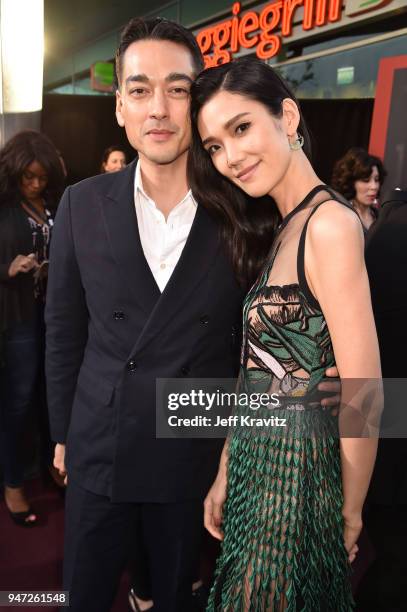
158, 108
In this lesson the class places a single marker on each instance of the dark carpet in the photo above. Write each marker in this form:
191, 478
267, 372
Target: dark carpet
31, 559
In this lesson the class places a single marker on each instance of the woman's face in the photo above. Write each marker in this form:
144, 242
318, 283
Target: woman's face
33, 181
367, 190
116, 161
246, 143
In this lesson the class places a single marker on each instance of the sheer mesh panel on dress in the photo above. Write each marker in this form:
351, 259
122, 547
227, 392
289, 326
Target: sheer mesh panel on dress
283, 546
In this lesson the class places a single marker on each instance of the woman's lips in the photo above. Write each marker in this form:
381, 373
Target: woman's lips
247, 173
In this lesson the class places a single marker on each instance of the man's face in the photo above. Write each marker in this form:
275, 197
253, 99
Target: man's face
153, 102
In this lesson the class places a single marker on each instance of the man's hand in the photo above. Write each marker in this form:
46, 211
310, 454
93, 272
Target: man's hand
22, 263
332, 388
59, 461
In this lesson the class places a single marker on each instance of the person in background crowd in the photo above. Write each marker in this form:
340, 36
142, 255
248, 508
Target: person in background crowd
358, 176
114, 159
382, 589
31, 181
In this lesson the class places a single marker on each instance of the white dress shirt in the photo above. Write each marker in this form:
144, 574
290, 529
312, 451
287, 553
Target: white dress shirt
162, 240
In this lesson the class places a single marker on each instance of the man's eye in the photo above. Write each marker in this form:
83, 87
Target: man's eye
138, 91
242, 127
179, 91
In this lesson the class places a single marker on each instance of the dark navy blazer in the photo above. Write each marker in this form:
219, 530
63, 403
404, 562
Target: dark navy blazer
111, 334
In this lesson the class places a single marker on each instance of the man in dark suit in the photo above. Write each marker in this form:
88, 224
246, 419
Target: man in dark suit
139, 289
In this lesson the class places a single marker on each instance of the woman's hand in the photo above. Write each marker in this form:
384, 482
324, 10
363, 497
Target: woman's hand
213, 506
22, 263
352, 526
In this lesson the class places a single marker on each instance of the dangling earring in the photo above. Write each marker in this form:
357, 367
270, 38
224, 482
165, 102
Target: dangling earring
297, 144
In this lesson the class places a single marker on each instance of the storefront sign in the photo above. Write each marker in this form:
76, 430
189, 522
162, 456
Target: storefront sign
266, 29
357, 7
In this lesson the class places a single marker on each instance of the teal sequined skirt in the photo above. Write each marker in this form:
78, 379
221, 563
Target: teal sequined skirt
283, 544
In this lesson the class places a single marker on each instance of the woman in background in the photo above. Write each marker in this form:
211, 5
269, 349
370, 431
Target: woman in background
114, 159
286, 504
358, 176
31, 180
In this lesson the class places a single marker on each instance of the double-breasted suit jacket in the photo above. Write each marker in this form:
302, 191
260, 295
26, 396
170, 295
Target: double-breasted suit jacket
111, 334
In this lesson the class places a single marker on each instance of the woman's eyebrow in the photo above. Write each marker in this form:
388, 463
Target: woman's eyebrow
226, 126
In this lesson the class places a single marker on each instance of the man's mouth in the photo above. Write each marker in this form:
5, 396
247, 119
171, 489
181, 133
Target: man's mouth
160, 135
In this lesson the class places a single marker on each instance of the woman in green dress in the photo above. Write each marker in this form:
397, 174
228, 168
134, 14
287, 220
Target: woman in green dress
287, 504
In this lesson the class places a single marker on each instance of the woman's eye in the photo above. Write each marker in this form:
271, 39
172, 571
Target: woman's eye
242, 127
212, 149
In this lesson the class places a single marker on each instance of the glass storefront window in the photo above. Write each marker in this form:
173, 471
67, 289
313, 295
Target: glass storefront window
78, 87
351, 73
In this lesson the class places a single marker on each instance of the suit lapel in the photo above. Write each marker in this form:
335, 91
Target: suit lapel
124, 239
197, 256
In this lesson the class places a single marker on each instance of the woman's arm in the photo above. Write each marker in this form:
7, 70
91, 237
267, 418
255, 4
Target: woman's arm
336, 273
213, 505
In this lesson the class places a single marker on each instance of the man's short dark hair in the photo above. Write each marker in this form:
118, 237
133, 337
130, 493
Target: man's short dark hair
156, 29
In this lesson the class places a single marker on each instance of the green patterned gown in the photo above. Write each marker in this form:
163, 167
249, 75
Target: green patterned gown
283, 534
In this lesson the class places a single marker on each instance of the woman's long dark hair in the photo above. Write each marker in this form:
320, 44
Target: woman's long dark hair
17, 154
247, 224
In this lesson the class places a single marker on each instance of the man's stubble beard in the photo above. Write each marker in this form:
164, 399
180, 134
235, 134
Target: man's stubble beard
164, 158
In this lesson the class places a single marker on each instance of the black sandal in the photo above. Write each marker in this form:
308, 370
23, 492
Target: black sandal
133, 602
20, 518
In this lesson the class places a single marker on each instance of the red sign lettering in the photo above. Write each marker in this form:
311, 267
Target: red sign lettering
259, 30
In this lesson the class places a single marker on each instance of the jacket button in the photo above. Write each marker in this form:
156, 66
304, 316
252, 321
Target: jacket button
132, 366
118, 315
204, 320
185, 370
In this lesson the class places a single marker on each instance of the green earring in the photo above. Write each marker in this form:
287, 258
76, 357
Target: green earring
297, 144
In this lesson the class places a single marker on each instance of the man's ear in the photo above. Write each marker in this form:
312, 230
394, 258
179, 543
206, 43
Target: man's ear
119, 105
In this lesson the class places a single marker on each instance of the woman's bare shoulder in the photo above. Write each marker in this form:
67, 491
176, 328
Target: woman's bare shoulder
333, 223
